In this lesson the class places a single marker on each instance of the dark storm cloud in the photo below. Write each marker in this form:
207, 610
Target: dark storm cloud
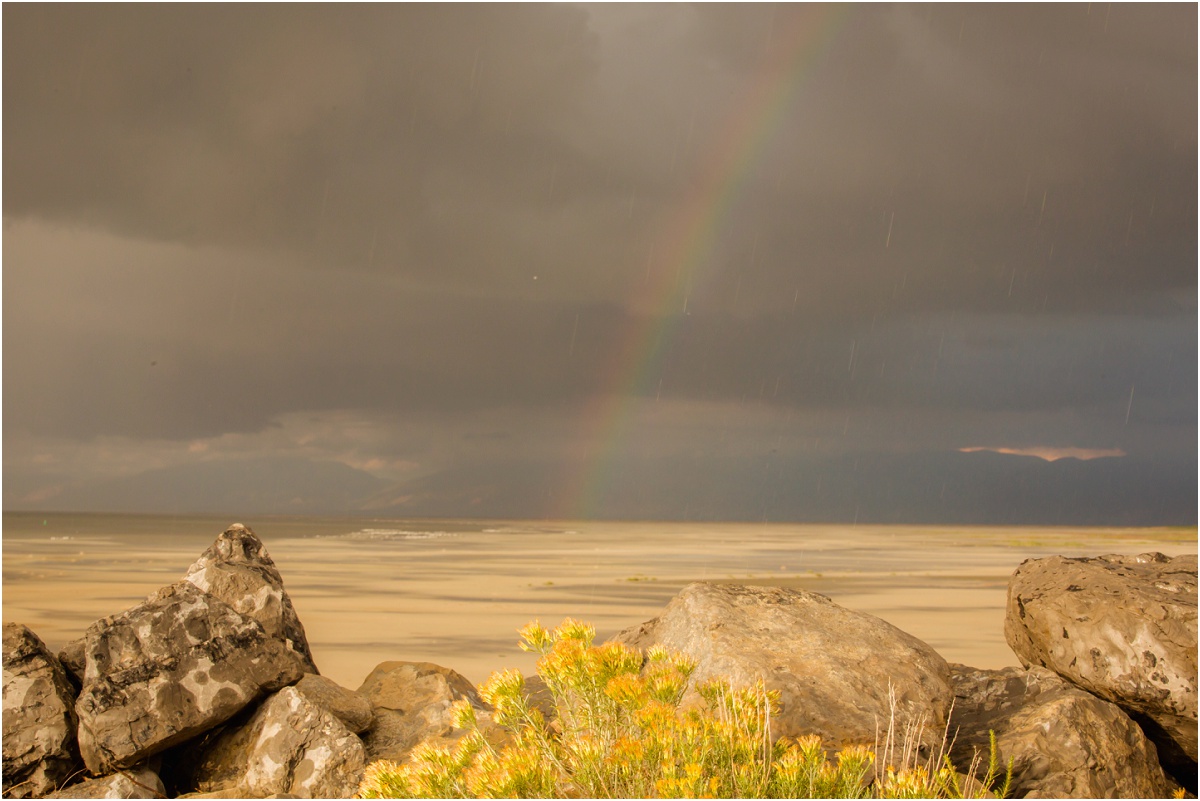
1037, 142
971, 225
485, 141
162, 342
313, 128
166, 343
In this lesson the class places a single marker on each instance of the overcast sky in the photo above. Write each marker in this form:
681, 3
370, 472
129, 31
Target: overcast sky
520, 258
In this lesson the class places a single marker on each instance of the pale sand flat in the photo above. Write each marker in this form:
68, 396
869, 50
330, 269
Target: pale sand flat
458, 599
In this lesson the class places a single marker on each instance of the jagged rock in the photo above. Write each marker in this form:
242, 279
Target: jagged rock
171, 667
351, 708
237, 569
1064, 742
40, 751
74, 661
136, 782
833, 667
289, 745
1124, 629
412, 703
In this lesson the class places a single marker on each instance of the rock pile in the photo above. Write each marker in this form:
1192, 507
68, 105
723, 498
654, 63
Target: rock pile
208, 687
1123, 628
1068, 733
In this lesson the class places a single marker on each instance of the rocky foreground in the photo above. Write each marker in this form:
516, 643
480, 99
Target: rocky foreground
208, 688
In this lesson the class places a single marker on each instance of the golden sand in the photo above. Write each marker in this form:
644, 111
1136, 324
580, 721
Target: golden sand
455, 593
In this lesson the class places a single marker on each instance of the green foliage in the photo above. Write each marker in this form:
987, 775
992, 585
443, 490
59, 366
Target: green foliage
621, 729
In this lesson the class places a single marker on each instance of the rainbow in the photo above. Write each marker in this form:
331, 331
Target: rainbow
683, 242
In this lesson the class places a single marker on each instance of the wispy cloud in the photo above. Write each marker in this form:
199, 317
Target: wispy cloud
1052, 454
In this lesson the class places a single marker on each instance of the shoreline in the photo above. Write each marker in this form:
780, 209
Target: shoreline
455, 592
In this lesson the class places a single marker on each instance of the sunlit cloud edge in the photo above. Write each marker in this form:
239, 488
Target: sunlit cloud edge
1051, 454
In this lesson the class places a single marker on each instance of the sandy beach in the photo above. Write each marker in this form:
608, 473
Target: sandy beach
455, 592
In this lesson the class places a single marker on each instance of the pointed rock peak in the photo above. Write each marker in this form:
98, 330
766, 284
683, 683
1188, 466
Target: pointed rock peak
237, 544
237, 569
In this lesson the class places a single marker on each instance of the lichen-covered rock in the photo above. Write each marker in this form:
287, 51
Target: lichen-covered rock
412, 703
351, 708
1064, 742
290, 745
237, 569
171, 667
1124, 629
836, 670
40, 751
136, 782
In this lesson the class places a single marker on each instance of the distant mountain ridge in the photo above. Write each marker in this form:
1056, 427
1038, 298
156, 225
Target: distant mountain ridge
976, 488
270, 485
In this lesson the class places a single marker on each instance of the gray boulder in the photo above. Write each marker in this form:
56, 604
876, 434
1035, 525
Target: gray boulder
175, 665
1124, 629
290, 745
412, 703
237, 569
351, 708
1064, 742
40, 751
136, 782
837, 671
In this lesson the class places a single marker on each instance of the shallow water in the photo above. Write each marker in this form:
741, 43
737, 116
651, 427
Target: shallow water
455, 591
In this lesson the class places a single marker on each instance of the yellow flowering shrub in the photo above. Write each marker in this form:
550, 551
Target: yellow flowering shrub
620, 731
